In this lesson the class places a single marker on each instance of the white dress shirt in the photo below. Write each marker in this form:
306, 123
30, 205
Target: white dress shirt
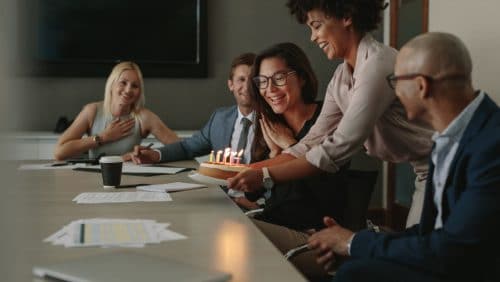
446, 147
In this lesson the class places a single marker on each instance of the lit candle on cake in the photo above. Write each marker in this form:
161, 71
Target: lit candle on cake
238, 158
232, 158
211, 156
217, 157
227, 152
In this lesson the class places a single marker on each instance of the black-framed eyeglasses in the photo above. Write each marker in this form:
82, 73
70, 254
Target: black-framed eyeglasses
277, 79
393, 79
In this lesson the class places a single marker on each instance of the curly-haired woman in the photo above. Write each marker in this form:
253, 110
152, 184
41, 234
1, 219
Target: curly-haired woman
360, 110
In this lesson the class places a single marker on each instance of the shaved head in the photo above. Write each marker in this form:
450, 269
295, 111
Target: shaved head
436, 54
435, 85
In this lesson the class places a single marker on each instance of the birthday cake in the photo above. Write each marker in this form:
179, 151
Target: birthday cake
220, 170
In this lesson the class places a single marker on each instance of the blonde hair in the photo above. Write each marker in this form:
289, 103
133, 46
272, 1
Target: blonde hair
113, 77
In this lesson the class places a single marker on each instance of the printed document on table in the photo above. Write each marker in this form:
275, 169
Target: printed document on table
113, 232
121, 197
171, 187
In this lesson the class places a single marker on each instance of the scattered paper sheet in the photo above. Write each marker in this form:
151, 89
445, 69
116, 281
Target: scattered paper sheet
47, 166
133, 168
113, 233
170, 187
202, 159
121, 197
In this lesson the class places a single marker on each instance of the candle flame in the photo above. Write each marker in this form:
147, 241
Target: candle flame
227, 152
217, 158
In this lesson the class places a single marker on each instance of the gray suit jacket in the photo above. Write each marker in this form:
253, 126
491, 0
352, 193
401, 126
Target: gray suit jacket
215, 135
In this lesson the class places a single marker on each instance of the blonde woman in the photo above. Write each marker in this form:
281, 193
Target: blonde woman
114, 126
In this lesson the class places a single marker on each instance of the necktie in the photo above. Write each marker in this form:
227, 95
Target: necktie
242, 142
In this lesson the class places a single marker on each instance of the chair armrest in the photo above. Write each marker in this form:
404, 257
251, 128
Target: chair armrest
253, 212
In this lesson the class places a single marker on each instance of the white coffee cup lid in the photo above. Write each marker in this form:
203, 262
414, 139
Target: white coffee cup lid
111, 159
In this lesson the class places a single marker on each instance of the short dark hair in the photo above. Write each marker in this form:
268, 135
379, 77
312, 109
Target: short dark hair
365, 14
296, 60
243, 59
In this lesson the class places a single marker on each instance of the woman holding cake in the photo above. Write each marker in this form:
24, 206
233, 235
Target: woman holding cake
284, 89
114, 126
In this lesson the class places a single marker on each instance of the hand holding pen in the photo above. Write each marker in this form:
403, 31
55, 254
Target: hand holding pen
145, 155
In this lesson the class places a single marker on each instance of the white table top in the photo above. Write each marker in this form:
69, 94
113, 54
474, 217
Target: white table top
42, 135
34, 204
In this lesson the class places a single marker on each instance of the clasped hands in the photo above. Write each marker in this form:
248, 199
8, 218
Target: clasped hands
334, 239
277, 136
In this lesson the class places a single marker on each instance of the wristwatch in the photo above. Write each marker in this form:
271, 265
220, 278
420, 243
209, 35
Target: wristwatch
267, 181
97, 139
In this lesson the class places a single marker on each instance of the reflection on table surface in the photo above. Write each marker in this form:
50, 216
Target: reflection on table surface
35, 204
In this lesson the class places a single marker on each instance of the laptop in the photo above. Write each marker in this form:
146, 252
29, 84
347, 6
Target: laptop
127, 266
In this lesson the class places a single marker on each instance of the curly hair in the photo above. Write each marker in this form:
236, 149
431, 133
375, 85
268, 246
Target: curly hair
365, 14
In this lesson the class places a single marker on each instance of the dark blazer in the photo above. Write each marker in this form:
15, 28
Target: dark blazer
468, 245
215, 135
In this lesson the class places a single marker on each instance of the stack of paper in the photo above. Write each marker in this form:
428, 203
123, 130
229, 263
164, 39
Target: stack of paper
170, 187
113, 233
121, 197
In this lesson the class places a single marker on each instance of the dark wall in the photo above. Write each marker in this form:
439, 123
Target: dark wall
234, 26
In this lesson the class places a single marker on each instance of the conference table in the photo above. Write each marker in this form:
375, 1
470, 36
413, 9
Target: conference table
37, 203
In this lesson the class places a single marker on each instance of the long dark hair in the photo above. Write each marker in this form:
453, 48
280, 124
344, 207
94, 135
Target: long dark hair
296, 60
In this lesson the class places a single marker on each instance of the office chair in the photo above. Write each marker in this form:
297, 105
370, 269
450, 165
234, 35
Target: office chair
360, 186
360, 189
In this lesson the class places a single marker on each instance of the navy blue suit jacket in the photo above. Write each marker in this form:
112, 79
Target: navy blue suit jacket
215, 135
468, 244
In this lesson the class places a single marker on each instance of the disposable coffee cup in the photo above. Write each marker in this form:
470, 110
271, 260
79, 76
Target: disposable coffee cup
111, 170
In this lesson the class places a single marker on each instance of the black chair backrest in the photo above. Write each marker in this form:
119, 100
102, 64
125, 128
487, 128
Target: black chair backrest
360, 188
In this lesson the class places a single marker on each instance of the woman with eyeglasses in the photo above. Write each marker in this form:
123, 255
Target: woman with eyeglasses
360, 110
284, 90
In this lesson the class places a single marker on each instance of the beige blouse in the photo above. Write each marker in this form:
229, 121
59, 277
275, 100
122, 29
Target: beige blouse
361, 109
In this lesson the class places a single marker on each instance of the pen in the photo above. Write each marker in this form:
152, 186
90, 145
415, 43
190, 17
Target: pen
59, 164
138, 152
82, 233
